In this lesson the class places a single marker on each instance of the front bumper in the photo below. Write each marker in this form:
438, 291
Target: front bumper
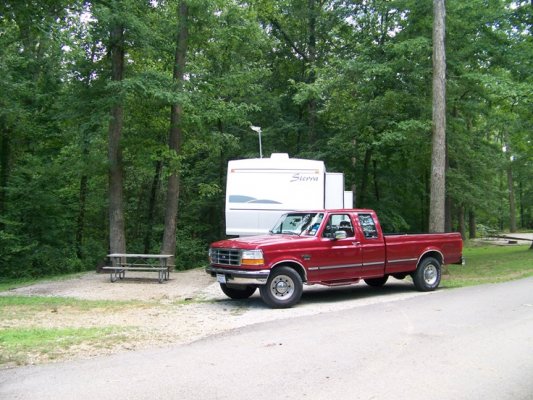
240, 277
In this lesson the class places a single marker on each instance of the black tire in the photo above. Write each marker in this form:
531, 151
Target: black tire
427, 276
376, 282
400, 276
237, 292
283, 288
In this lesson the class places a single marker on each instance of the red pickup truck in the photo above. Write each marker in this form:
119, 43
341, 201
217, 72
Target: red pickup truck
328, 247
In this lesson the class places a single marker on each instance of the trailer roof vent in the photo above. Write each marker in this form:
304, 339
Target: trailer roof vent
279, 156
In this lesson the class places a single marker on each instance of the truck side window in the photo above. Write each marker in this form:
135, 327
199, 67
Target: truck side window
368, 225
338, 222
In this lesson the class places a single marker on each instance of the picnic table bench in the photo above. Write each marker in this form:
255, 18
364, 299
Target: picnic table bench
121, 262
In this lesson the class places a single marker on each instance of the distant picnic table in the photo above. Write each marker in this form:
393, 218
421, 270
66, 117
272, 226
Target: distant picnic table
122, 262
516, 236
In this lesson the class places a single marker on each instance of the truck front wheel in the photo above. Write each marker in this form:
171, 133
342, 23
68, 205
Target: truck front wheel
237, 292
283, 288
427, 276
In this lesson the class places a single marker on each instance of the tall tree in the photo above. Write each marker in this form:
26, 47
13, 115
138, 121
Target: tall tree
510, 185
438, 154
175, 135
117, 235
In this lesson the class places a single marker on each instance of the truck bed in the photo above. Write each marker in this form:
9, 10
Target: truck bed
401, 247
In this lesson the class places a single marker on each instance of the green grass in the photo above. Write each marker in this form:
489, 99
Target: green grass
490, 264
36, 303
23, 342
24, 345
25, 307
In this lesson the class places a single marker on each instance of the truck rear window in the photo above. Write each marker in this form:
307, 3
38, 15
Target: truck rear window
368, 226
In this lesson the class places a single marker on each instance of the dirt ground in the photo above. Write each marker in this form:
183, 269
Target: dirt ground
188, 307
180, 310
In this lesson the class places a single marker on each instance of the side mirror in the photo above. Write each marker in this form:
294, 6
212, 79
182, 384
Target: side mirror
340, 235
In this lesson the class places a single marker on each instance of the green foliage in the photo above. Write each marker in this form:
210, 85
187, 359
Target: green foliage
345, 82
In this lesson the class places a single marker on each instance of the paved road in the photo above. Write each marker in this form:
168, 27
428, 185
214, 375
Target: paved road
471, 343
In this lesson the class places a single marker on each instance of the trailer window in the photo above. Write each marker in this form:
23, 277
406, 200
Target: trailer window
368, 226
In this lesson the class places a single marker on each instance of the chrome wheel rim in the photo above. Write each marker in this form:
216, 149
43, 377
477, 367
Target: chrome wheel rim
431, 275
282, 287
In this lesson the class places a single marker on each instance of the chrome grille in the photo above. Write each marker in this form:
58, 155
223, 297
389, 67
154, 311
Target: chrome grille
226, 257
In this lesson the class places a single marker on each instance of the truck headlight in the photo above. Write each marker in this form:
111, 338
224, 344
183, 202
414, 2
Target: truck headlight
252, 257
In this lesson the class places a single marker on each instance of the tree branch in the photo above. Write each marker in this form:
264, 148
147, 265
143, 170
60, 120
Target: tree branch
289, 41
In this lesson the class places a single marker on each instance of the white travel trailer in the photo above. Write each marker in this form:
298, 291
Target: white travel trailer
260, 190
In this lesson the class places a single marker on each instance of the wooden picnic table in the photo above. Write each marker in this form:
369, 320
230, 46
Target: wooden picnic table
122, 262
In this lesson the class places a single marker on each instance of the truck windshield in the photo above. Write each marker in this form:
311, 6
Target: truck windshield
298, 223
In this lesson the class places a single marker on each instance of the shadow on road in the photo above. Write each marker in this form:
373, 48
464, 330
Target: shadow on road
323, 294
319, 294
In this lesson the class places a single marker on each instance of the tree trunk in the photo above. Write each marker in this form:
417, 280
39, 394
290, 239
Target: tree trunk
512, 205
448, 200
175, 135
448, 213
510, 185
84, 179
438, 184
461, 221
354, 163
364, 180
376, 180
424, 203
222, 172
117, 237
80, 224
472, 227
151, 207
5, 155
521, 204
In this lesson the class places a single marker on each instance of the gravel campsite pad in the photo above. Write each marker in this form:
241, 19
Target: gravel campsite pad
188, 307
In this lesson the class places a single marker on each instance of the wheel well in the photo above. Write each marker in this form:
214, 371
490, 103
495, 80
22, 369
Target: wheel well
297, 267
435, 254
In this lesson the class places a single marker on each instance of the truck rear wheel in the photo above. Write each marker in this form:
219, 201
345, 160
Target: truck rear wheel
427, 276
237, 292
377, 282
283, 288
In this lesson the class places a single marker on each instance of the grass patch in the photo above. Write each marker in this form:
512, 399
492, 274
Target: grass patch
24, 341
43, 302
26, 307
27, 345
490, 264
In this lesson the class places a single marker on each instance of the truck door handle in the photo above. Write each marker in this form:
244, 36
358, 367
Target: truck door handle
356, 243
